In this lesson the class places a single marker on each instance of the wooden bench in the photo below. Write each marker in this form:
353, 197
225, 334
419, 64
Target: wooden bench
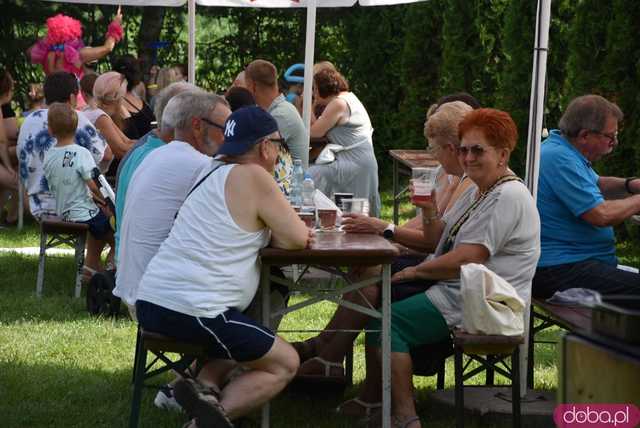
55, 232
160, 345
490, 351
545, 315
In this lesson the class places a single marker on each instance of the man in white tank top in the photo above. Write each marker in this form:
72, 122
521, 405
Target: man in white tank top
207, 271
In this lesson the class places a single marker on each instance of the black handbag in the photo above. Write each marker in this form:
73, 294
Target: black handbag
100, 298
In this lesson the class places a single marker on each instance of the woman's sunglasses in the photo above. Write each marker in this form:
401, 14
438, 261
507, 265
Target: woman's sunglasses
476, 150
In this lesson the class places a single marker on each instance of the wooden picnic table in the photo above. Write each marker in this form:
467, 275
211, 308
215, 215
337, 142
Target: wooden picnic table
587, 355
403, 162
333, 250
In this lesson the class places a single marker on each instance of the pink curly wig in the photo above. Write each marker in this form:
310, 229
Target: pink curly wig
62, 29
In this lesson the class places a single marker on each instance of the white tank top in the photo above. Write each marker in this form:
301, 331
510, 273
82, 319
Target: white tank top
208, 264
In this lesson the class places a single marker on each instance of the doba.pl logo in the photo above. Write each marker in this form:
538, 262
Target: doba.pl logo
596, 415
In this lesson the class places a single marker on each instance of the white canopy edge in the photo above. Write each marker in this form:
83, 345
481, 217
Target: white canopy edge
242, 3
166, 3
276, 4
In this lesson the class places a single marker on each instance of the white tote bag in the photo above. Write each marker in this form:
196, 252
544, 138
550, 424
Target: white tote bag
490, 305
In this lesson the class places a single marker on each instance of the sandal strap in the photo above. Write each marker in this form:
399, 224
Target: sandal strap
406, 422
88, 269
327, 365
366, 404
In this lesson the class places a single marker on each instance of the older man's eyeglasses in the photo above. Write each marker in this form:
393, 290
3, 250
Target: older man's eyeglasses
279, 141
476, 150
212, 123
611, 137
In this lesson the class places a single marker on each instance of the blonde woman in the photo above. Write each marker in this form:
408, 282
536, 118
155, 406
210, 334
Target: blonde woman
105, 109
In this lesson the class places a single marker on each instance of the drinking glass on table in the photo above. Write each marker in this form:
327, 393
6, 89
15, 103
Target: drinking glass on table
327, 218
354, 206
338, 197
309, 218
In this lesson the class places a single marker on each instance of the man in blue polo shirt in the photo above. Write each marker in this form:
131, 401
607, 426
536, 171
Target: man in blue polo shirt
577, 214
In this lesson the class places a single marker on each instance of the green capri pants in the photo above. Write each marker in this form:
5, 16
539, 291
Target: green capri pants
415, 321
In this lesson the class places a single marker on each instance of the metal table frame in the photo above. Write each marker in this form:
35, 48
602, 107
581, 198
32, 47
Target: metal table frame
329, 254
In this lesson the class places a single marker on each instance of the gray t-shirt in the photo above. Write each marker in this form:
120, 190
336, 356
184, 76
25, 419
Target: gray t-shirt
291, 127
506, 222
67, 169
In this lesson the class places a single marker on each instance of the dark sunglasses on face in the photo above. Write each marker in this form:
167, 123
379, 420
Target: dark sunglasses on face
212, 123
476, 150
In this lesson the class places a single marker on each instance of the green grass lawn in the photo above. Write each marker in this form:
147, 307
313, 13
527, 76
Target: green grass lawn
60, 367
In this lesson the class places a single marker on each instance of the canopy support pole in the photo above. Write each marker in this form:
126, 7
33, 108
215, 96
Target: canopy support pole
536, 115
191, 12
308, 65
538, 84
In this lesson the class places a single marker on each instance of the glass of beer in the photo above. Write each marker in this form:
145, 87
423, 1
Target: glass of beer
309, 218
424, 181
327, 218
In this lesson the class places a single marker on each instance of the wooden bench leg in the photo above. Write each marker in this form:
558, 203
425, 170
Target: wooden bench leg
530, 353
41, 260
138, 383
79, 256
459, 388
515, 387
489, 378
440, 375
135, 356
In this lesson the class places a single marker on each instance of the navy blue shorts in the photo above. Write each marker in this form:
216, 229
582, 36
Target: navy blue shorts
229, 336
99, 226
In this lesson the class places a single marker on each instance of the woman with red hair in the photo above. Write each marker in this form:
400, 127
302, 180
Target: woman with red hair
494, 223
62, 49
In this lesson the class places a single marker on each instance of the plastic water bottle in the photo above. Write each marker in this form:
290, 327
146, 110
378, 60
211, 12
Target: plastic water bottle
308, 187
295, 196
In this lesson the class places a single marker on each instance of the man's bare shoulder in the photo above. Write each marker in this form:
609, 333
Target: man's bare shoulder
250, 173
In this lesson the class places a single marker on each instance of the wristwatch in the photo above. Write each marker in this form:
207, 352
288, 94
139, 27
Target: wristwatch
389, 231
627, 182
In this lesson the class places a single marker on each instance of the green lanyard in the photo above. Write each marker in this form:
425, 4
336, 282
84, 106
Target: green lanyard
453, 232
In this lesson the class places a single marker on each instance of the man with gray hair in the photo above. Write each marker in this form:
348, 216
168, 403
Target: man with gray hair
152, 140
207, 271
158, 188
578, 207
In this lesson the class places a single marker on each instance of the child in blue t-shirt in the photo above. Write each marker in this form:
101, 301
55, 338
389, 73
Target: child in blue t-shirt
68, 168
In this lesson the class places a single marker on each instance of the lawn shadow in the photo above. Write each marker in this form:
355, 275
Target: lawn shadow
49, 396
19, 302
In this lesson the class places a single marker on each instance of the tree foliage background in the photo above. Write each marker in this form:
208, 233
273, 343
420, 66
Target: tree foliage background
398, 60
